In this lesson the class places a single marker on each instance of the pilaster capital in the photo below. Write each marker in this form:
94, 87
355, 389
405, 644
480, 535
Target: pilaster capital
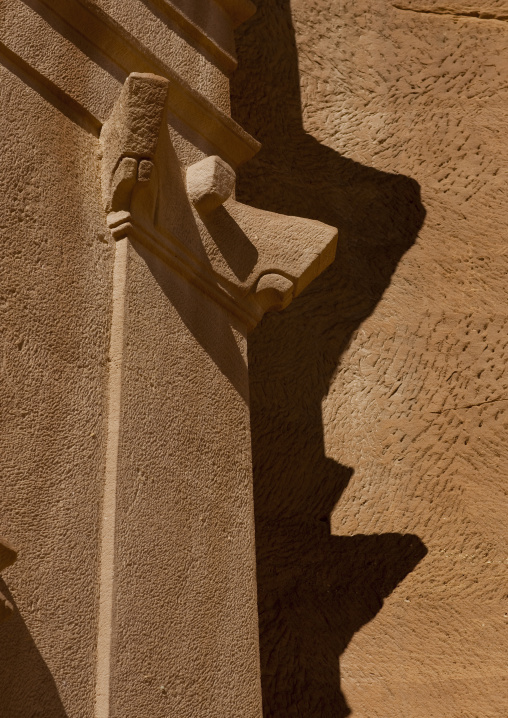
247, 259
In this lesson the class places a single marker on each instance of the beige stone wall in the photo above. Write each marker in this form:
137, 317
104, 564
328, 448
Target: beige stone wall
185, 638
379, 397
55, 277
125, 454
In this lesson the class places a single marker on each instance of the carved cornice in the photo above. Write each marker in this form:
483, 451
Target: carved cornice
244, 258
7, 557
212, 30
105, 36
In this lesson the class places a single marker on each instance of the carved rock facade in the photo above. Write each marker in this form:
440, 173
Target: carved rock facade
247, 259
144, 235
132, 278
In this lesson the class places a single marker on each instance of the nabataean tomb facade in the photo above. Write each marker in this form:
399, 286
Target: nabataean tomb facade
253, 353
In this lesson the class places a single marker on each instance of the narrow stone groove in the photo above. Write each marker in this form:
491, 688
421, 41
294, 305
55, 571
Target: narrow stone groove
473, 14
107, 545
66, 104
468, 406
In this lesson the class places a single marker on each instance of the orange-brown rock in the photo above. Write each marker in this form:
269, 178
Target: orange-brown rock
379, 397
7, 557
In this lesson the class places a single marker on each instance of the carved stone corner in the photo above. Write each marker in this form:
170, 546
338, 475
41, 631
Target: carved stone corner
249, 260
8, 556
210, 182
130, 136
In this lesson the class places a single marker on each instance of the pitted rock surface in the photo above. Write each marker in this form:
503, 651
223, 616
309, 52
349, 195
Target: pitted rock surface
379, 397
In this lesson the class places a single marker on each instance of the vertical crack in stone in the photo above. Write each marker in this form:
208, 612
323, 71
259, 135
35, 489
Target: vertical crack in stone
107, 545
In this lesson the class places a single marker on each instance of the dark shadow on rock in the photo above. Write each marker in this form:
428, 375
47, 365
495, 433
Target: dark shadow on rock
232, 242
27, 688
314, 590
211, 328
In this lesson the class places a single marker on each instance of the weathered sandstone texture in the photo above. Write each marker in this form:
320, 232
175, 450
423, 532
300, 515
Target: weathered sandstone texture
130, 278
144, 236
379, 398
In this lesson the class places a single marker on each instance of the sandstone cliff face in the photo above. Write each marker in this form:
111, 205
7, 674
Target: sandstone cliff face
379, 397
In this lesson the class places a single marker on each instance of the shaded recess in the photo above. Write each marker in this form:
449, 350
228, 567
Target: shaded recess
27, 688
315, 590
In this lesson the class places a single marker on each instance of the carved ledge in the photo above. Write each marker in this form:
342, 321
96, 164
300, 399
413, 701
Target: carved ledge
201, 22
7, 557
247, 259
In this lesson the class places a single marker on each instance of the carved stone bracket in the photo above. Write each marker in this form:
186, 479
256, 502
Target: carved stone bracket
7, 557
247, 259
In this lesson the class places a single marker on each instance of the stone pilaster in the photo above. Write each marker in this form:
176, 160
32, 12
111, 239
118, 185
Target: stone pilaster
194, 272
132, 277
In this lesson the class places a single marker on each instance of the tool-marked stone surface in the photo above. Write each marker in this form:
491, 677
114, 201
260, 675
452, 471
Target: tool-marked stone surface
480, 9
55, 274
380, 396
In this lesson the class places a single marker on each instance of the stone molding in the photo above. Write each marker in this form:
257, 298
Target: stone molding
212, 30
246, 259
123, 53
237, 11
